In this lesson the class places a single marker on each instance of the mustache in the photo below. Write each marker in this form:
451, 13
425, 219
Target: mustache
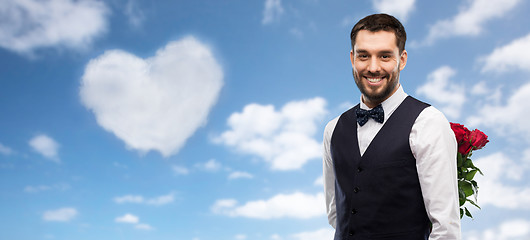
369, 74
374, 75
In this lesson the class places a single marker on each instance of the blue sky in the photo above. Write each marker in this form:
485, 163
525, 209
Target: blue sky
129, 119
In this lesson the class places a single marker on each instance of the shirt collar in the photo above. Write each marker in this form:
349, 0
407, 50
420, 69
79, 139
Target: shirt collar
391, 103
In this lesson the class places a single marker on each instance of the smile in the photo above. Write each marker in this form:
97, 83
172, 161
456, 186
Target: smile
374, 80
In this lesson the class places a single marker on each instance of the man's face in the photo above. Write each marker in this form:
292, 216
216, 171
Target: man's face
376, 64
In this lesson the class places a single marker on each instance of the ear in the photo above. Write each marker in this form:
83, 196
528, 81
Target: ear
403, 60
351, 57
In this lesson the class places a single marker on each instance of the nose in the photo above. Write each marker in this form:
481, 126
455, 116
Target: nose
374, 66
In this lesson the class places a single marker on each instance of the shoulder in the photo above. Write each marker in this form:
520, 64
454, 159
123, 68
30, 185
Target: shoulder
330, 126
431, 135
432, 123
431, 115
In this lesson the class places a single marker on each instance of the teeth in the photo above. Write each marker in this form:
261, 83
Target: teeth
374, 80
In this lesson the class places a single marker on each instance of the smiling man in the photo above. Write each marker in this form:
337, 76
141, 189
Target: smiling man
390, 161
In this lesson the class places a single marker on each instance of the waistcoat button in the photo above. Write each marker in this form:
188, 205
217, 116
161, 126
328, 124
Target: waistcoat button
355, 189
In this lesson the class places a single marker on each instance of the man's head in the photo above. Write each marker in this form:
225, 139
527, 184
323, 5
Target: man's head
377, 57
381, 22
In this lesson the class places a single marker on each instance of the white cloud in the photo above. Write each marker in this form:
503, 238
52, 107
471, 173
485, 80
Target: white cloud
211, 165
49, 236
160, 200
129, 199
35, 189
296, 32
348, 21
399, 9
480, 88
470, 20
127, 218
5, 150
514, 56
42, 188
143, 226
134, 13
155, 103
240, 237
526, 158
275, 237
60, 215
133, 219
319, 181
343, 107
441, 90
179, 170
45, 146
272, 12
515, 229
31, 24
296, 205
119, 165
321, 234
517, 105
497, 168
223, 204
283, 138
238, 174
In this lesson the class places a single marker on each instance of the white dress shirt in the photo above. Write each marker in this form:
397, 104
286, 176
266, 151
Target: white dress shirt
434, 146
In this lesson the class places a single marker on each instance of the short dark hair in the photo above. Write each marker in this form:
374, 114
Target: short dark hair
381, 22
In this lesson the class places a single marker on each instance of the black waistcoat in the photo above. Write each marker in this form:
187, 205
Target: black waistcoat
378, 195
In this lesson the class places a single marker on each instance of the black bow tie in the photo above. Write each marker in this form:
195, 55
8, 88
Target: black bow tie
376, 113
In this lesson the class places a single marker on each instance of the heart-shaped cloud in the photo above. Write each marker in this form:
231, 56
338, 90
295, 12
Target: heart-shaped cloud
155, 103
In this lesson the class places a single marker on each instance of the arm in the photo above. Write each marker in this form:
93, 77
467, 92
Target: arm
329, 174
434, 146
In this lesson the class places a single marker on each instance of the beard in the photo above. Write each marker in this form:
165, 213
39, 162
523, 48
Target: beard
379, 96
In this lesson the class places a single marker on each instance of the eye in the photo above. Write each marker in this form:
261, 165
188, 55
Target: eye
386, 57
362, 56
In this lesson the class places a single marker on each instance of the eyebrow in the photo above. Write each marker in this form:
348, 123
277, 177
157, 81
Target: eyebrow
381, 52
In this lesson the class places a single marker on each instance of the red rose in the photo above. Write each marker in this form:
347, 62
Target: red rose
478, 139
460, 131
465, 146
462, 135
467, 141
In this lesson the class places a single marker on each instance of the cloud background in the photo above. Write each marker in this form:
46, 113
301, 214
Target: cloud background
203, 119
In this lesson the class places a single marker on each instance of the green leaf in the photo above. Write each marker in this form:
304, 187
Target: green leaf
468, 213
476, 168
470, 175
473, 203
475, 186
474, 183
461, 197
468, 163
466, 187
461, 213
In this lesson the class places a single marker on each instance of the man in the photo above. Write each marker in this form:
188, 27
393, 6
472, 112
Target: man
390, 161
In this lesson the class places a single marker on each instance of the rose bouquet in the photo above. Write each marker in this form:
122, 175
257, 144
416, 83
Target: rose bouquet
468, 141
